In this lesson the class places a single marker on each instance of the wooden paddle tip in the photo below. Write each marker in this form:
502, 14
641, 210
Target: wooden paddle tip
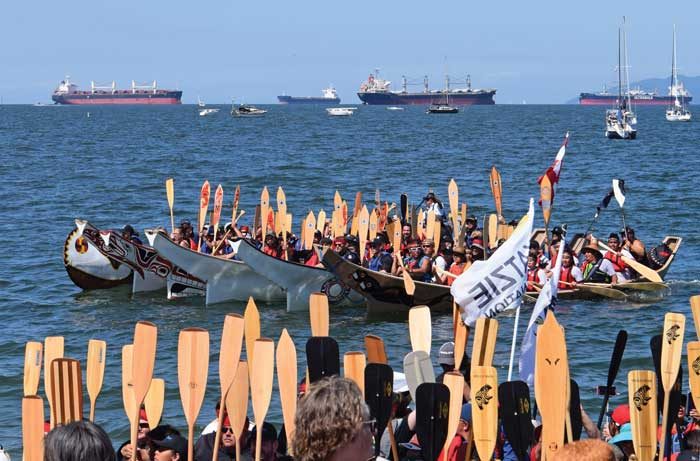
234, 315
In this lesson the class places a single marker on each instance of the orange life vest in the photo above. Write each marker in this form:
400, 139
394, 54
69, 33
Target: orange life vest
566, 276
616, 261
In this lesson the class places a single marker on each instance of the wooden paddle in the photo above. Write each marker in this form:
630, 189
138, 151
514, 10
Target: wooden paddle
264, 210
192, 370
216, 213
378, 385
236, 200
261, 376
551, 377
251, 319
546, 201
493, 231
321, 222
420, 328
127, 384
282, 214
455, 383
461, 337
373, 216
430, 224
409, 285
374, 345
615, 360
693, 349
363, 228
437, 231
203, 207
514, 402
497, 190
418, 370
32, 428
153, 403
309, 230
67, 391
143, 361
671, 350
322, 357
453, 196
97, 351
319, 314
484, 384
170, 193
432, 405
485, 335
354, 368
695, 308
237, 404
644, 416
53, 349
646, 272
606, 292
404, 208
229, 356
32, 367
286, 357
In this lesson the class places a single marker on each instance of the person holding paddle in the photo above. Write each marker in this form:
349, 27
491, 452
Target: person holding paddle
570, 275
204, 448
615, 254
78, 441
594, 267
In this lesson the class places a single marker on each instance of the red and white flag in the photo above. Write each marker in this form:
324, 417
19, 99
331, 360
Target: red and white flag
554, 170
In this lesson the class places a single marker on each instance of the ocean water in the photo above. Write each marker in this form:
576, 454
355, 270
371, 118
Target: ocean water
58, 164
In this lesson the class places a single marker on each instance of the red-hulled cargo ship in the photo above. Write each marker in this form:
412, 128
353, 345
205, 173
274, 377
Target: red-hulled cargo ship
68, 93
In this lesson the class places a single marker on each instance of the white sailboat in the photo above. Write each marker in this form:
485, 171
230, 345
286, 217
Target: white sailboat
620, 121
678, 111
203, 110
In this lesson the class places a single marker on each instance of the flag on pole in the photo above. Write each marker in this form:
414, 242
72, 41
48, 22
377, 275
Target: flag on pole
619, 191
554, 170
497, 284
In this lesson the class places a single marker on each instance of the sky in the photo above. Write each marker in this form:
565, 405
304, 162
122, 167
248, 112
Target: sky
534, 51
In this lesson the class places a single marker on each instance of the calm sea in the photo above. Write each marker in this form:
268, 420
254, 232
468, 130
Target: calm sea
58, 164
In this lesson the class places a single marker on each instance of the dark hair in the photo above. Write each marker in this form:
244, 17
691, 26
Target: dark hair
614, 235
78, 441
692, 439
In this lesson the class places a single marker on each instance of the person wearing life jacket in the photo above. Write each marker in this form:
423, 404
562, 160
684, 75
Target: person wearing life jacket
535, 274
595, 268
379, 259
459, 265
416, 264
272, 246
570, 275
615, 254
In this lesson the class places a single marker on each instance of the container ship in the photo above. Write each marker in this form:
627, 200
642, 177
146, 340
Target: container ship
637, 96
378, 91
68, 93
330, 96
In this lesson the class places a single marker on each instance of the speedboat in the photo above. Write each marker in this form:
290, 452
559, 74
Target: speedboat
441, 109
394, 108
245, 110
205, 112
341, 111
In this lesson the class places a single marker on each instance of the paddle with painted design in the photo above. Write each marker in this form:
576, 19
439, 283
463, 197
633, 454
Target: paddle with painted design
153, 403
373, 217
322, 357
216, 213
97, 352
514, 402
236, 200
170, 193
67, 391
432, 413
192, 370
53, 349
143, 361
695, 308
309, 230
286, 357
282, 214
363, 227
32, 367
418, 370
376, 353
319, 314
546, 200
261, 377
615, 360
354, 364
671, 350
455, 383
356, 213
378, 385
484, 346
693, 349
644, 416
237, 404
484, 384
453, 196
229, 356
420, 328
264, 210
32, 428
204, 194
497, 191
251, 320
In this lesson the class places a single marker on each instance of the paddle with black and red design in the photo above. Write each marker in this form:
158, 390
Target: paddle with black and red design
379, 388
322, 357
514, 408
432, 418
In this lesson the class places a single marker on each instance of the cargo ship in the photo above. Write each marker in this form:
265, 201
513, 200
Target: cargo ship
330, 96
68, 93
637, 96
378, 91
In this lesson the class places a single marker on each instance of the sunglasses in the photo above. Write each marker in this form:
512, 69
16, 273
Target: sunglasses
144, 426
226, 430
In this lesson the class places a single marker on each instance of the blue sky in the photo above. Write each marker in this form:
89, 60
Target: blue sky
541, 52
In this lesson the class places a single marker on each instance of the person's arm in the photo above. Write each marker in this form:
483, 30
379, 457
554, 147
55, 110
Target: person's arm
422, 270
589, 425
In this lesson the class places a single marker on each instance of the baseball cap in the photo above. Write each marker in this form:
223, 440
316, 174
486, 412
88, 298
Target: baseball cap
174, 442
621, 415
446, 356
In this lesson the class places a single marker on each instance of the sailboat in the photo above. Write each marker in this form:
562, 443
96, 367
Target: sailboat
678, 111
203, 111
620, 121
443, 108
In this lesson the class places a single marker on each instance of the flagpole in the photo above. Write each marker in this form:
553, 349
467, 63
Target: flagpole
512, 346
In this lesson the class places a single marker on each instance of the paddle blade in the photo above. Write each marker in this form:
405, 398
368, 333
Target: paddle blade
153, 403
374, 345
204, 194
170, 192
644, 416
127, 387
319, 314
230, 352
461, 337
237, 399
546, 199
286, 357
671, 348
404, 207
408, 284
694, 369
455, 383
432, 412
32, 367
363, 228
378, 385
218, 204
192, 370
420, 328
251, 318
514, 401
575, 410
484, 346
67, 391
321, 222
97, 351
53, 349
615, 360
453, 196
695, 307
484, 383
261, 377
418, 370
309, 230
145, 339
496, 190
32, 428
322, 357
354, 364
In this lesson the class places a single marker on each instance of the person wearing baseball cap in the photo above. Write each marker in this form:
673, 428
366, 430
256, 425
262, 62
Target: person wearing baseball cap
204, 448
446, 360
172, 448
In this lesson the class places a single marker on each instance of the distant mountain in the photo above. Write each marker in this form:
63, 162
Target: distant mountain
660, 85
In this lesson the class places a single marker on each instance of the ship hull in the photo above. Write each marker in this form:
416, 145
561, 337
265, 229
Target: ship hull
92, 99
425, 99
307, 100
590, 99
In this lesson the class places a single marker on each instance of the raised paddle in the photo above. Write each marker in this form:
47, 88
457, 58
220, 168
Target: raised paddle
53, 349
575, 410
671, 350
453, 197
420, 328
354, 364
546, 202
484, 384
32, 428
432, 411
514, 402
282, 216
97, 351
418, 370
170, 193
127, 384
404, 207
693, 349
192, 370
374, 345
618, 186
67, 391
484, 346
286, 358
204, 194
695, 308
615, 360
237, 404
378, 385
363, 228
32, 367
497, 190
236, 200
644, 416
261, 377
229, 356
153, 403
321, 222
143, 361
309, 230
493, 231
216, 213
319, 314
322, 357
646, 272
251, 318
430, 225
455, 383
373, 216
551, 379
409, 285
264, 210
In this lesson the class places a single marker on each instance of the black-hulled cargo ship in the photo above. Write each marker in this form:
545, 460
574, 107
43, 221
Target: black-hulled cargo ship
330, 96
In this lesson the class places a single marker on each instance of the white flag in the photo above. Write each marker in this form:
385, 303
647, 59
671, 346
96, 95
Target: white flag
497, 284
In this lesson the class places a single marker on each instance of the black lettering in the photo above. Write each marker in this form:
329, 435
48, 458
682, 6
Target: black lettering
480, 291
510, 281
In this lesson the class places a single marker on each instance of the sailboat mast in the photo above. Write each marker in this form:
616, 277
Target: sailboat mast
619, 67
627, 68
674, 75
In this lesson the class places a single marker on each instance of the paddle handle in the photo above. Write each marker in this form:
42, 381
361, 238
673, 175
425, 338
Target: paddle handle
664, 424
134, 435
392, 440
190, 442
217, 437
238, 450
258, 442
606, 397
92, 410
172, 220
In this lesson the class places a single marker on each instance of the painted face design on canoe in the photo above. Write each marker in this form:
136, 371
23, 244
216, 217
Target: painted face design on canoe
483, 396
696, 365
672, 333
641, 397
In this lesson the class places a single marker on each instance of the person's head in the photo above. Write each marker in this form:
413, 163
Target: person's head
339, 244
317, 236
406, 231
471, 223
144, 428
585, 450
628, 233
128, 231
176, 235
332, 423
430, 198
269, 442
465, 421
614, 242
172, 448
158, 433
618, 418
446, 356
228, 438
78, 441
557, 233
531, 262
376, 246
567, 259
245, 230
692, 439
326, 243
477, 249
428, 247
459, 254
271, 240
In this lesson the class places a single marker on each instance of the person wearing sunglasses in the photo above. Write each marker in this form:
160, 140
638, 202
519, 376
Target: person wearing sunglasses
204, 448
125, 451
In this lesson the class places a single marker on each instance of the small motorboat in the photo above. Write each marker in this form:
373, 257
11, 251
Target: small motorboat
341, 111
441, 109
203, 111
394, 108
245, 110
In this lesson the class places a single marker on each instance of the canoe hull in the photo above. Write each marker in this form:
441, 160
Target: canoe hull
88, 268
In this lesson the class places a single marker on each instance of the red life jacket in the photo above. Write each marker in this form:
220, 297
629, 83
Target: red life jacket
274, 252
532, 278
566, 276
313, 260
616, 260
193, 244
